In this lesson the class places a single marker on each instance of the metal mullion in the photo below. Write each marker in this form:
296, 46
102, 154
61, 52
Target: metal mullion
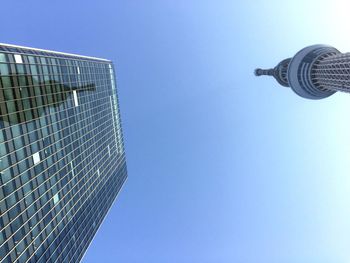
46, 202
37, 75
57, 122
51, 53
80, 113
86, 246
106, 207
42, 173
43, 96
91, 193
63, 207
98, 71
53, 104
117, 164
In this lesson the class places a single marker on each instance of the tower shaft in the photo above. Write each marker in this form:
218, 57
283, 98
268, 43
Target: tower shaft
332, 72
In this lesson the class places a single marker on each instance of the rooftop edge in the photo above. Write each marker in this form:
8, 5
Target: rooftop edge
55, 52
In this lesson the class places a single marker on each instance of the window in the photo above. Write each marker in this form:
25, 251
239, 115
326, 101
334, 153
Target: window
72, 168
75, 96
4, 70
2, 57
18, 59
36, 158
56, 198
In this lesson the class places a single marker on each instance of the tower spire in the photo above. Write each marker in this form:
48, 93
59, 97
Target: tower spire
264, 72
279, 72
315, 72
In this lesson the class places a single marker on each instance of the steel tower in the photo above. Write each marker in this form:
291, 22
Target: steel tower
315, 72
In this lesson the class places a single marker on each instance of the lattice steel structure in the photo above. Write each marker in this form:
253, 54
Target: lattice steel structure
315, 72
62, 160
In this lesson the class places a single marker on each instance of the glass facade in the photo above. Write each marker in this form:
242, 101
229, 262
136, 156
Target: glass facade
62, 160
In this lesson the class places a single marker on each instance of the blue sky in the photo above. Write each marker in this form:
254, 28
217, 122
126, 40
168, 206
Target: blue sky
223, 166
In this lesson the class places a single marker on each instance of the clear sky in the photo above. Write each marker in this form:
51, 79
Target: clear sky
223, 166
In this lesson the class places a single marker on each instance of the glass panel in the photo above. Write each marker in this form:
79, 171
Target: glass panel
6, 82
2, 57
4, 70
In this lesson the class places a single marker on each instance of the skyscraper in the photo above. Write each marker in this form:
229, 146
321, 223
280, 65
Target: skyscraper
62, 160
315, 72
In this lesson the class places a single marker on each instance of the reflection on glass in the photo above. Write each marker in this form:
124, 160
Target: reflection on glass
20, 103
